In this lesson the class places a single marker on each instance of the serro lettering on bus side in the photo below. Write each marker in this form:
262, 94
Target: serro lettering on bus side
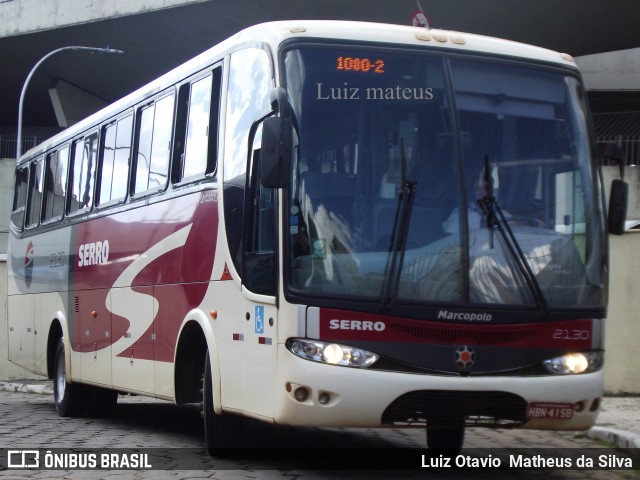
363, 325
93, 253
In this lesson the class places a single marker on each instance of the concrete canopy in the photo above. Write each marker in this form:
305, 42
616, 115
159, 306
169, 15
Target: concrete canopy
156, 41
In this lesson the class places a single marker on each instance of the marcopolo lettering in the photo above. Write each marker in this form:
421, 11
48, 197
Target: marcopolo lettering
95, 253
465, 316
362, 325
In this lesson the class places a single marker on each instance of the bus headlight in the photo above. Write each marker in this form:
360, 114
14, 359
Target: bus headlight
570, 363
331, 353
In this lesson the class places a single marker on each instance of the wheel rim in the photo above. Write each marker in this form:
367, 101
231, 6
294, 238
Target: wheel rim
61, 378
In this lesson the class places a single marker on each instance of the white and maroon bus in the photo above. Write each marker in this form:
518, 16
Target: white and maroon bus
329, 224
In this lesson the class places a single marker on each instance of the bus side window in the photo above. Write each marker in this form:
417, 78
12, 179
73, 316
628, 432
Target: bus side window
55, 184
197, 127
36, 189
154, 145
82, 175
251, 221
116, 150
260, 240
20, 197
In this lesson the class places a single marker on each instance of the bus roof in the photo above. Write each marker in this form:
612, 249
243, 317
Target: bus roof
274, 33
400, 34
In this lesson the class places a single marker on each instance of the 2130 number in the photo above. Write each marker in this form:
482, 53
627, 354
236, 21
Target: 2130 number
571, 334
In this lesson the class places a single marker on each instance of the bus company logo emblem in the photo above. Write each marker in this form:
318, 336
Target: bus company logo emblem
28, 265
465, 357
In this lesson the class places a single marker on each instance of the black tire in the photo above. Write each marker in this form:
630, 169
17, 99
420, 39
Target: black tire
446, 436
70, 398
221, 432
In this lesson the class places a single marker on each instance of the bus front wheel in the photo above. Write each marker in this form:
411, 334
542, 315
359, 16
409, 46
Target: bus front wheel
70, 398
446, 435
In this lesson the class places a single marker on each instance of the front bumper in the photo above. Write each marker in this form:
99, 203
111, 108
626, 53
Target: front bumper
354, 397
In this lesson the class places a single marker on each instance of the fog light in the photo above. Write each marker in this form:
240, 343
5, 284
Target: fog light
301, 394
324, 398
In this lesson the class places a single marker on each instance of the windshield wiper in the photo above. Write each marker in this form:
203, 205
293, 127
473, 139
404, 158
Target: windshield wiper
398, 243
496, 219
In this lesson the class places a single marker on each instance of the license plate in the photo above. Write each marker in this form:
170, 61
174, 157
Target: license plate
562, 411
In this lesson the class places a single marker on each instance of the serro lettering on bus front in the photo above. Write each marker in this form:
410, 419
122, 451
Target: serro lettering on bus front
363, 325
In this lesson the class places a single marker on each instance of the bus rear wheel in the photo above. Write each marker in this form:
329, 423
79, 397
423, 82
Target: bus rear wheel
446, 435
221, 432
70, 398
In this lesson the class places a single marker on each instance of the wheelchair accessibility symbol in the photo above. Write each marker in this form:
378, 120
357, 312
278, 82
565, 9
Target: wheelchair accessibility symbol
259, 316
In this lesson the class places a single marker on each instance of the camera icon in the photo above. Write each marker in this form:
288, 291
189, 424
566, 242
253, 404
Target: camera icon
23, 459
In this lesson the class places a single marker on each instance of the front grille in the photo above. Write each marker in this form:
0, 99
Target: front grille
492, 407
451, 334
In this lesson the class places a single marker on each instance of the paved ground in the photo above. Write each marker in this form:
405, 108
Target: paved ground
28, 420
619, 422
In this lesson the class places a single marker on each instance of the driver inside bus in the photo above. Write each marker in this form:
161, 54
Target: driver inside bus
475, 215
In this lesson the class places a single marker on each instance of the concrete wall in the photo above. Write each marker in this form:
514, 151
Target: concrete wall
619, 70
6, 198
621, 341
23, 16
621, 372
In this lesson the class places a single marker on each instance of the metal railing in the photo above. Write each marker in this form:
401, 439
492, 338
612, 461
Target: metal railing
630, 146
8, 144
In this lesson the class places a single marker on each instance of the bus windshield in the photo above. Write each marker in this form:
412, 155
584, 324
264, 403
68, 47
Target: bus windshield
421, 178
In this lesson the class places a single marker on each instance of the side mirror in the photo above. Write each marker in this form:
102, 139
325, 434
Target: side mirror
275, 152
618, 200
619, 195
